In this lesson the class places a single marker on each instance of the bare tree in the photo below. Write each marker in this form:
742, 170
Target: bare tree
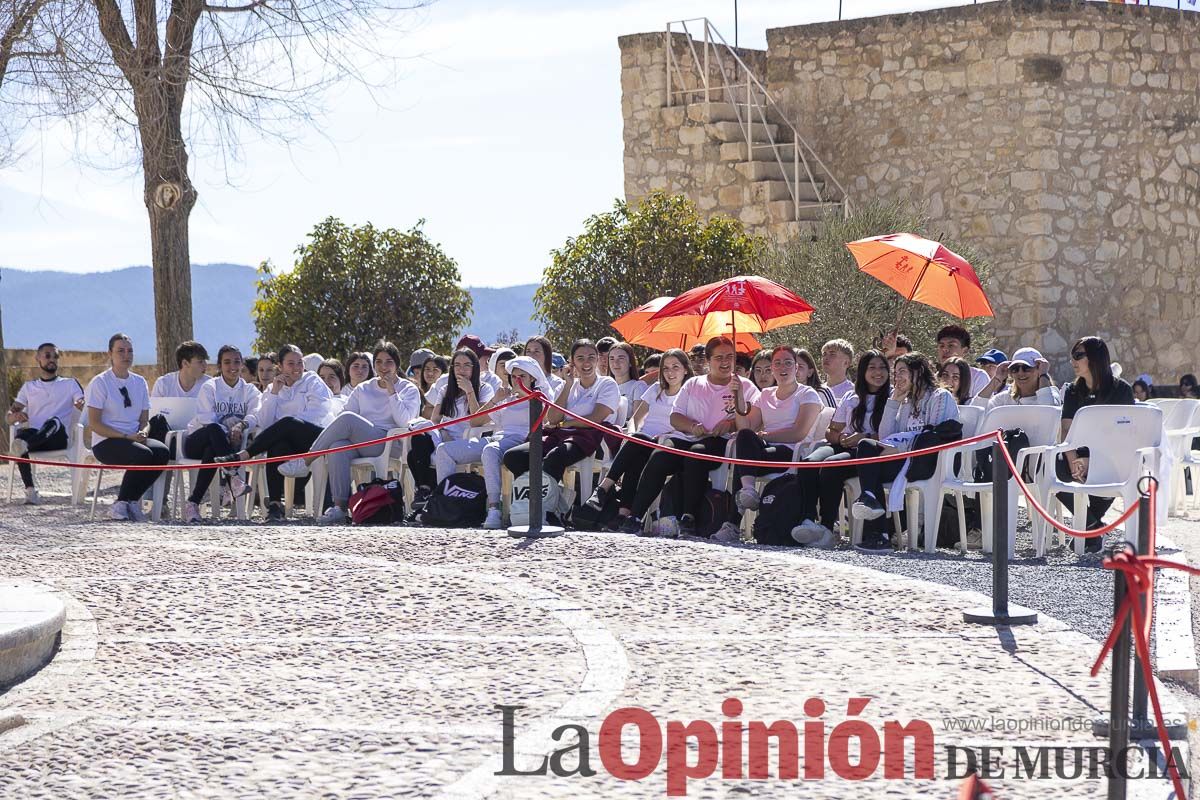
158, 75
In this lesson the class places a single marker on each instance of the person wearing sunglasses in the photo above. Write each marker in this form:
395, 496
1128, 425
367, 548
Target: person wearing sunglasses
1030, 383
1094, 385
118, 404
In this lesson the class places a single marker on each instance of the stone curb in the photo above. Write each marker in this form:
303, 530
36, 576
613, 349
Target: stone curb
31, 623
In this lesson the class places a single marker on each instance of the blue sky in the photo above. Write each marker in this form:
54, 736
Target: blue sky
504, 134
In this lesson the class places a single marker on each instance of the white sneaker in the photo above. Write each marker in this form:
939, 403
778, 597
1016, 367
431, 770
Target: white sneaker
32, 498
727, 534
296, 468
334, 516
135, 512
867, 508
234, 488
494, 522
746, 500
191, 513
667, 527
119, 510
813, 534
19, 448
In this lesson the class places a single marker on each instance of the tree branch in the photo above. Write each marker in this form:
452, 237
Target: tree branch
225, 9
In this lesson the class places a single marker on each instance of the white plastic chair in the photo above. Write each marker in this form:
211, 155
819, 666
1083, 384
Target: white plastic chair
178, 412
1181, 421
241, 506
74, 448
1122, 441
1041, 424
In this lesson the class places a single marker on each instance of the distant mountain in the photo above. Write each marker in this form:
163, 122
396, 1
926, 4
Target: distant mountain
79, 311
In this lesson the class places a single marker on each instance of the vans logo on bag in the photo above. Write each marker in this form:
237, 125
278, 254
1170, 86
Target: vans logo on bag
458, 491
766, 501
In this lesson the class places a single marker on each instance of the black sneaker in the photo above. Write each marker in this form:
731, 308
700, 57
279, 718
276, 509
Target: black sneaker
274, 512
598, 499
1093, 545
873, 543
229, 459
631, 525
687, 525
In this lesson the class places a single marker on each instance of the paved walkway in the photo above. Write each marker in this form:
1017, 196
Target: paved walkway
298, 662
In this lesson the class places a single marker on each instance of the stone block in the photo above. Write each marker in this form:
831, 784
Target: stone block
691, 134
1026, 180
1034, 42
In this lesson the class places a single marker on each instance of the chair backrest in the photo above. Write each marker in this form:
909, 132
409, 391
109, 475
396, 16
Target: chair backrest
178, 411
1114, 434
1040, 423
969, 416
1179, 413
820, 425
622, 412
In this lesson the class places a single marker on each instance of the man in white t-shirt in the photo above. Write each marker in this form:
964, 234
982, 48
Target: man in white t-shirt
836, 357
46, 407
192, 360
955, 341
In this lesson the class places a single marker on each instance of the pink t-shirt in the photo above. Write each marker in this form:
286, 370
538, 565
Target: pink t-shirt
709, 403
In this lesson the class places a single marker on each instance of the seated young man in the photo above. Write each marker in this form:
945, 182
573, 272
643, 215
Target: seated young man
954, 341
836, 357
44, 406
192, 359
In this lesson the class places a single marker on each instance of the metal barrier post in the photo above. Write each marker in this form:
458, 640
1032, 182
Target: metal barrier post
1118, 705
535, 528
1141, 724
1000, 613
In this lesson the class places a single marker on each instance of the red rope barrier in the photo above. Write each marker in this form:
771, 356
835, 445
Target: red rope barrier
270, 459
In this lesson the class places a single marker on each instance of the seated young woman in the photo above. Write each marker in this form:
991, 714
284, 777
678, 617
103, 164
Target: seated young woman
431, 370
331, 371
292, 413
807, 375
857, 418
703, 421
226, 412
265, 368
623, 368
1030, 383
917, 401
651, 419
779, 418
358, 370
760, 370
250, 371
955, 376
539, 349
460, 396
448, 454
373, 408
118, 416
512, 427
568, 441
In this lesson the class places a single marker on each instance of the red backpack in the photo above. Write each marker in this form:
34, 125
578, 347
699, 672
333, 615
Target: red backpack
380, 502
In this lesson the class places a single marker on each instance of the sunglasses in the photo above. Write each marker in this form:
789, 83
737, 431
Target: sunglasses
125, 393
1020, 368
1078, 355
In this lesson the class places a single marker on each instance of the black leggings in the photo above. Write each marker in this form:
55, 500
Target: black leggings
204, 445
627, 468
51, 436
286, 437
663, 465
1097, 506
420, 460
555, 460
825, 484
123, 451
750, 445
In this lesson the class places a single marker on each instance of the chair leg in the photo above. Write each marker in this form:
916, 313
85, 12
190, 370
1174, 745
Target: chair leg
96, 493
289, 491
506, 484
960, 503
1079, 518
912, 512
12, 474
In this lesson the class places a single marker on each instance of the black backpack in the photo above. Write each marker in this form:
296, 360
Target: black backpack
460, 501
778, 511
715, 510
1015, 440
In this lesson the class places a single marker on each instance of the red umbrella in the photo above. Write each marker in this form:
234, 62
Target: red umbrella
924, 271
747, 303
635, 327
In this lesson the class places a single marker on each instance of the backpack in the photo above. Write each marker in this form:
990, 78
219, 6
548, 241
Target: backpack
380, 502
518, 501
715, 510
778, 511
460, 501
1015, 440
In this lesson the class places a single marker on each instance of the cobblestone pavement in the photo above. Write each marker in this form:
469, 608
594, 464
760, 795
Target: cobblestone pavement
305, 662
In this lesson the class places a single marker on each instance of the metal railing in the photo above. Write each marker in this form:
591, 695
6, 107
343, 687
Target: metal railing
751, 102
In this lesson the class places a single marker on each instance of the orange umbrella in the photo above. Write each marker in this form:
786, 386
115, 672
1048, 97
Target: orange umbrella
635, 327
747, 303
924, 271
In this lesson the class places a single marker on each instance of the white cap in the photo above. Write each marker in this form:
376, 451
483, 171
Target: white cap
1028, 356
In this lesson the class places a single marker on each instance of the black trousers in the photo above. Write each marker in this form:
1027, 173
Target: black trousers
122, 451
204, 445
825, 485
51, 436
627, 468
555, 459
1097, 506
663, 465
420, 460
750, 445
286, 437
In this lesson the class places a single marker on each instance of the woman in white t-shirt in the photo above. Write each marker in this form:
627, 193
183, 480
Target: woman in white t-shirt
623, 368
118, 404
703, 420
780, 418
651, 419
857, 417
566, 440
450, 453
461, 395
512, 425
358, 370
540, 350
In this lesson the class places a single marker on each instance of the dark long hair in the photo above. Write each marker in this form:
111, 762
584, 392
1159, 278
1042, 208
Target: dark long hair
634, 372
963, 395
863, 390
1099, 364
547, 353
450, 399
922, 378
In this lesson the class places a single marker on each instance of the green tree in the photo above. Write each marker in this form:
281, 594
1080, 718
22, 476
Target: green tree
632, 255
353, 286
849, 303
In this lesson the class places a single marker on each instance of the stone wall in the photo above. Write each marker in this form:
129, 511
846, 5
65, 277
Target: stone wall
1060, 138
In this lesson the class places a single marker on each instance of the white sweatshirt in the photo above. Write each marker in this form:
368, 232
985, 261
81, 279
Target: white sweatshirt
382, 408
307, 399
220, 403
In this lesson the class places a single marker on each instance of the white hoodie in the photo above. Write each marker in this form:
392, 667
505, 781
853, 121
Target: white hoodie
382, 408
220, 403
514, 421
307, 399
